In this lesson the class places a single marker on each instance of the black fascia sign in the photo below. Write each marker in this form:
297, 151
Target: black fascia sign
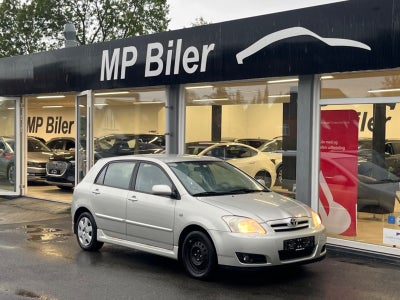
354, 35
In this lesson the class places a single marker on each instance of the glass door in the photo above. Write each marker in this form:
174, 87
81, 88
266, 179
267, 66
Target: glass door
84, 132
10, 146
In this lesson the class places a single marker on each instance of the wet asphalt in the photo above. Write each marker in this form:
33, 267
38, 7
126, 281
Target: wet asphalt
40, 259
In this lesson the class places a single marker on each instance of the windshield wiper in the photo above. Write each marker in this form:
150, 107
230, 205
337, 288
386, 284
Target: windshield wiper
245, 191
207, 194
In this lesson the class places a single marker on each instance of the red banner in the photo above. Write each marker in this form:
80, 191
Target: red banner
338, 176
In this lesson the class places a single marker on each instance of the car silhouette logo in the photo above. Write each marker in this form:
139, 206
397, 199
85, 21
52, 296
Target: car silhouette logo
293, 32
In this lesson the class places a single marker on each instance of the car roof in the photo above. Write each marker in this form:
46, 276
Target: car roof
166, 158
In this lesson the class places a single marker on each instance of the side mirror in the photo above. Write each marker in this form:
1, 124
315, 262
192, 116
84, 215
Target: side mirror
162, 190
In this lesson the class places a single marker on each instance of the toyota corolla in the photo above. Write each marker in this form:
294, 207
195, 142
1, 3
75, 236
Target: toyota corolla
201, 211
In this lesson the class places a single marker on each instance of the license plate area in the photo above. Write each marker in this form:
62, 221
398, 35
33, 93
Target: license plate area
299, 244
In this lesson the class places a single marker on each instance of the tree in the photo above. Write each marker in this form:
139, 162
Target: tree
37, 25
199, 21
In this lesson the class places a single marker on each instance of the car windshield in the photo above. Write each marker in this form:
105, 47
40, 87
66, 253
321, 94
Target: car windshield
37, 146
208, 178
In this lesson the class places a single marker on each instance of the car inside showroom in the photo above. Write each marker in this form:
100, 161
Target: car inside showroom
310, 112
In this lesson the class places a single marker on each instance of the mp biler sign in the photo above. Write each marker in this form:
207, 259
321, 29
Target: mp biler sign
353, 35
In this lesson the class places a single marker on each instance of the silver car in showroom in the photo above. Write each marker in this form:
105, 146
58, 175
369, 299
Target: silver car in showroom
201, 211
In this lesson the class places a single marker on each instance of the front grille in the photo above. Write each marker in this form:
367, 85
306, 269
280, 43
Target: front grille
56, 168
289, 224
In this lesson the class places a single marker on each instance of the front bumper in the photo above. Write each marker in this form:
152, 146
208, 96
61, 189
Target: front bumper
232, 247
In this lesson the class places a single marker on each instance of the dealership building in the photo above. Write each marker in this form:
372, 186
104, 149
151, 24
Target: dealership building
318, 87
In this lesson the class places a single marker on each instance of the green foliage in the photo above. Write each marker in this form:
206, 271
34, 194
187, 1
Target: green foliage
37, 25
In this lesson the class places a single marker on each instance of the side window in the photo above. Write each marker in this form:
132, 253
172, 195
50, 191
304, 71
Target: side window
69, 145
245, 152
396, 147
149, 175
217, 152
117, 174
56, 145
2, 147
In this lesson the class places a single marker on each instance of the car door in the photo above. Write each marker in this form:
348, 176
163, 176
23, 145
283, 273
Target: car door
109, 196
150, 218
244, 158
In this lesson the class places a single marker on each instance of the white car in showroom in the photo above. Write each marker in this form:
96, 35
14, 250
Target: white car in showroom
250, 160
201, 211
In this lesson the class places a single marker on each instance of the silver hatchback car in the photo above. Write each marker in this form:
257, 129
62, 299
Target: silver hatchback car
199, 210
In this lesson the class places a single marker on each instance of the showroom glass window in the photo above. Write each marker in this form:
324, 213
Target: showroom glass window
255, 113
7, 145
360, 172
129, 122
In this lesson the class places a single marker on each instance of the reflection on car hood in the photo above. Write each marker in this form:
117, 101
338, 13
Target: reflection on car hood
39, 156
63, 156
266, 206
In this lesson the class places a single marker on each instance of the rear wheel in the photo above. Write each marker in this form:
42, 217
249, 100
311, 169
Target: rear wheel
198, 255
11, 174
265, 177
86, 232
279, 176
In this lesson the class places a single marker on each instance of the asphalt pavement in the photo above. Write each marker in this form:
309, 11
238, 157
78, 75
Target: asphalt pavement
40, 259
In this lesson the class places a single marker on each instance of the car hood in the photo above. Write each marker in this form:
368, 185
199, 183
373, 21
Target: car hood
63, 156
39, 156
266, 206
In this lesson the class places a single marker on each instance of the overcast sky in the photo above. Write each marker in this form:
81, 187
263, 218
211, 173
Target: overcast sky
184, 12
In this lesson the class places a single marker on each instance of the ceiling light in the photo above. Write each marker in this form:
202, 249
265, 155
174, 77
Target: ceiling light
52, 106
210, 100
50, 97
112, 93
326, 77
100, 104
384, 90
149, 102
198, 87
284, 80
278, 96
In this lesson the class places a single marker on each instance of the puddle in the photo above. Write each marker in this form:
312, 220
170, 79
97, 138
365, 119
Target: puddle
25, 293
40, 233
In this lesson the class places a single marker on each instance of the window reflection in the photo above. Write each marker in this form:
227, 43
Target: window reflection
361, 85
374, 183
254, 113
7, 147
129, 122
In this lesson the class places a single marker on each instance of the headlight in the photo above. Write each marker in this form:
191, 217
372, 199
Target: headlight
316, 219
243, 225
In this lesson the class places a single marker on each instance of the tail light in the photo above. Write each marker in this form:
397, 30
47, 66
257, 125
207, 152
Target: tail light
9, 155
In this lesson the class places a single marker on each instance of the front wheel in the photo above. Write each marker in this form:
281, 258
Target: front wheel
86, 232
198, 255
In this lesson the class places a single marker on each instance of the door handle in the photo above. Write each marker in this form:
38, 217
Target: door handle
96, 192
133, 199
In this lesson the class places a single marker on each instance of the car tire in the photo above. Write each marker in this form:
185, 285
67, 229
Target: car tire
86, 232
11, 174
198, 255
264, 176
279, 175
